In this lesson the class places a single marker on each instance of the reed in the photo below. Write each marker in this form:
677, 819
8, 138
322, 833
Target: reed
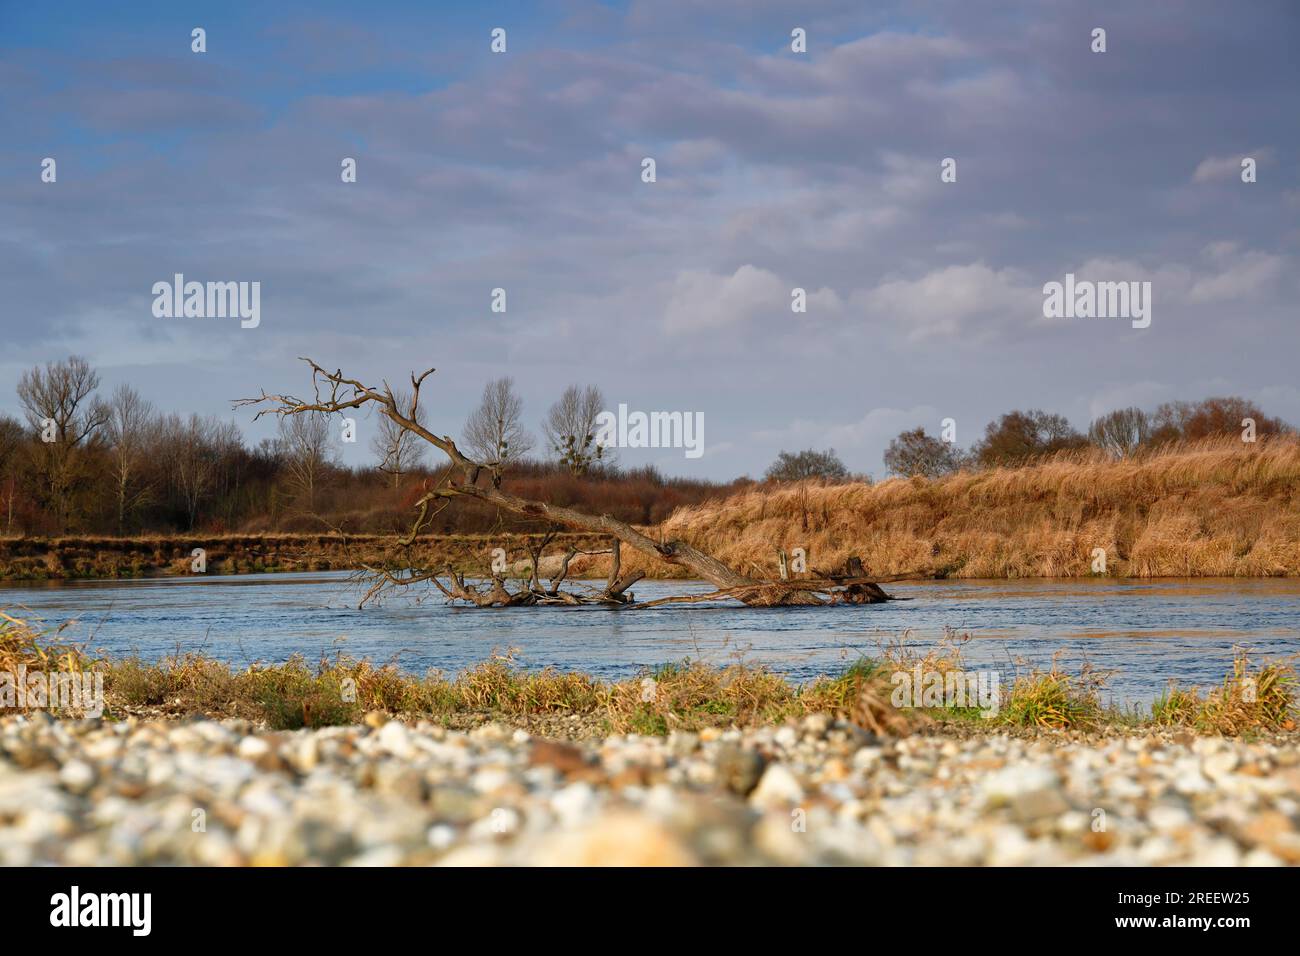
1209, 508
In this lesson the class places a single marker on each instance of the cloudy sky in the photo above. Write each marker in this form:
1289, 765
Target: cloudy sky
775, 170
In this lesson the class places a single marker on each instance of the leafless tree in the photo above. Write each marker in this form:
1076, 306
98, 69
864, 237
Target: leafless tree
61, 408
127, 431
916, 453
63, 393
335, 393
570, 429
397, 449
12, 438
494, 433
1211, 417
1018, 437
192, 449
1121, 432
308, 452
800, 466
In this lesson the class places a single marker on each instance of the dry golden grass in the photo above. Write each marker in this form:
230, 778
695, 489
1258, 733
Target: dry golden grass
1249, 700
1056, 700
686, 696
1211, 508
23, 646
25, 652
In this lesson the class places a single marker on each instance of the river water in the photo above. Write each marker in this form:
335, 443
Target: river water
1146, 632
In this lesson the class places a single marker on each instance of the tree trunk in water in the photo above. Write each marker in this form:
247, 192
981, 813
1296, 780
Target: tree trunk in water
346, 393
679, 553
673, 552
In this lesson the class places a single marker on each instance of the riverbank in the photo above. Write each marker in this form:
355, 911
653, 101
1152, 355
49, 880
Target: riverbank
900, 691
36, 559
1220, 508
817, 791
190, 761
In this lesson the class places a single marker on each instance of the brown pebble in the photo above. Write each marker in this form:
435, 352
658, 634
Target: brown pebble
1098, 841
630, 777
563, 757
271, 762
1264, 827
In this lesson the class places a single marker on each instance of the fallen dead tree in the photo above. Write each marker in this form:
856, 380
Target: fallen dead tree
335, 393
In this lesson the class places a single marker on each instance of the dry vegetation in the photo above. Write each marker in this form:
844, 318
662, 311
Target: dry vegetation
111, 557
1210, 508
1247, 699
683, 696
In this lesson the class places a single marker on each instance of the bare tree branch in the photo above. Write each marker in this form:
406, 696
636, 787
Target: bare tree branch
334, 392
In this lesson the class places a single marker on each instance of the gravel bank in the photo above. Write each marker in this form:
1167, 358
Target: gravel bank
228, 793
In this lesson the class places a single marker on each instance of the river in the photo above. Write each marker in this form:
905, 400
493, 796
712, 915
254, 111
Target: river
1146, 632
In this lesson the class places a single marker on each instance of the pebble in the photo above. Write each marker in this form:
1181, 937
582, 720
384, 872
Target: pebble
777, 787
394, 739
228, 793
77, 776
739, 768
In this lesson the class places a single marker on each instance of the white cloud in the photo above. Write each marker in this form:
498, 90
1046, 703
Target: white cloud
970, 299
704, 300
874, 428
1243, 275
1224, 272
1229, 167
1145, 395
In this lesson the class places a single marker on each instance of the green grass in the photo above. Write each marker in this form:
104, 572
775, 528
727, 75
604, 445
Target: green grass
680, 695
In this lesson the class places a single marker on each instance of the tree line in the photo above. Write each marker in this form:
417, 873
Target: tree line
1021, 437
82, 462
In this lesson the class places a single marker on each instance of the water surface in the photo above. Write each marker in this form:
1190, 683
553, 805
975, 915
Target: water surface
1146, 631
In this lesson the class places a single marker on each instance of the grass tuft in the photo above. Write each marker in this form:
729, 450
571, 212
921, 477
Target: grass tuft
1249, 700
682, 695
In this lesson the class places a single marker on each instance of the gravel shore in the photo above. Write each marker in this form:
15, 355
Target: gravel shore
821, 792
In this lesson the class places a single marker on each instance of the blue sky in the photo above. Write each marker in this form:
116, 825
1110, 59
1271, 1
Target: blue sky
775, 170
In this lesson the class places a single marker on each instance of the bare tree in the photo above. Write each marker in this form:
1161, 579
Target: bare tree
916, 453
127, 431
570, 429
228, 444
336, 393
1019, 437
308, 452
800, 466
12, 438
193, 449
398, 450
495, 433
1121, 432
1211, 417
61, 409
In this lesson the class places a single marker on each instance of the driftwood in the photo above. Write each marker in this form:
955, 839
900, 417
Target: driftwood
336, 393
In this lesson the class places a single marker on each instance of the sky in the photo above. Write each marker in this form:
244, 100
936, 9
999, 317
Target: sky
774, 170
